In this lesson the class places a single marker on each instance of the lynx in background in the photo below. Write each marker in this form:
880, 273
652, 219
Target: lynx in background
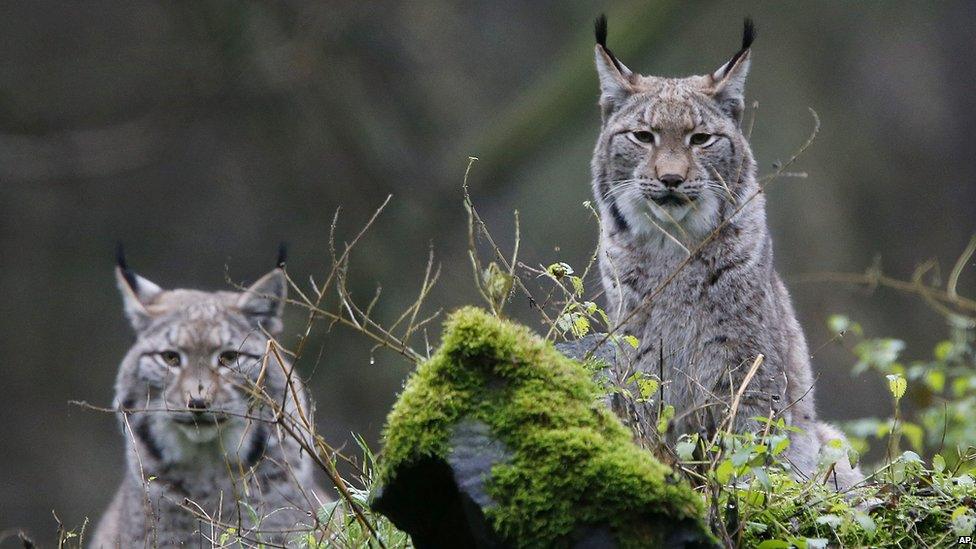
199, 442
671, 166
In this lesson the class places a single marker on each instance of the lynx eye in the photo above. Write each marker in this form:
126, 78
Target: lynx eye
700, 138
228, 358
171, 358
643, 136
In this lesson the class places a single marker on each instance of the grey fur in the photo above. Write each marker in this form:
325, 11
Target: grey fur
727, 305
178, 459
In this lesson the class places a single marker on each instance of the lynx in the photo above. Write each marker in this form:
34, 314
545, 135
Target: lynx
672, 171
203, 454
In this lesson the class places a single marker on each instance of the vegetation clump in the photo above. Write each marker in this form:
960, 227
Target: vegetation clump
571, 463
920, 507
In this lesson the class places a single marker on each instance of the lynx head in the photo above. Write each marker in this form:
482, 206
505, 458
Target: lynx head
187, 384
670, 151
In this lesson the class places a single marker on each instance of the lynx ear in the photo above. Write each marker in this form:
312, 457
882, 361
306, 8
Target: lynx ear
264, 301
615, 78
729, 81
137, 292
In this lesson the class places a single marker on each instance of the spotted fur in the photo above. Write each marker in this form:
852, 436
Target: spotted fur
197, 441
670, 167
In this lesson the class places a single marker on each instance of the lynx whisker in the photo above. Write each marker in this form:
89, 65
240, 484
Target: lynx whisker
620, 189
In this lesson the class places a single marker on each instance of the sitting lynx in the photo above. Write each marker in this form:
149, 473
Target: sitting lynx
199, 444
672, 173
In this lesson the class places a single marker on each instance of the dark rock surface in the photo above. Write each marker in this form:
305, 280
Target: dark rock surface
441, 503
606, 351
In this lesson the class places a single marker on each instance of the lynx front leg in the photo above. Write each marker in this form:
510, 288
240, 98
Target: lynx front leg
749, 384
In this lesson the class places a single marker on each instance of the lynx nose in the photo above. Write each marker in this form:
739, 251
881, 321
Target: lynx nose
671, 180
197, 404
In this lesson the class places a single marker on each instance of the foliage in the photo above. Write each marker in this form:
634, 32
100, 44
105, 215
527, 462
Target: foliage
921, 507
904, 502
346, 530
941, 391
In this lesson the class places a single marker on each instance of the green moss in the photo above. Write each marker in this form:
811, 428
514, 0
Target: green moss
573, 462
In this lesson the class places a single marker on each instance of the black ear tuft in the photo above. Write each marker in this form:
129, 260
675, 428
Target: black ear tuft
600, 28
748, 33
282, 255
130, 277
120, 256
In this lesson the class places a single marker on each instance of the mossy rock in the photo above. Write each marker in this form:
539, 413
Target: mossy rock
501, 441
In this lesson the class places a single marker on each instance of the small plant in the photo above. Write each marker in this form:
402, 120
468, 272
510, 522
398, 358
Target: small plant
345, 528
941, 392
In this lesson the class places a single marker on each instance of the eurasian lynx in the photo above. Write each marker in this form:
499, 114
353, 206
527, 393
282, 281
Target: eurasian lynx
199, 443
670, 168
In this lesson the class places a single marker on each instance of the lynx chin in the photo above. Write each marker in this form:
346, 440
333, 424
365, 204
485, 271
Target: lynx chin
670, 167
199, 443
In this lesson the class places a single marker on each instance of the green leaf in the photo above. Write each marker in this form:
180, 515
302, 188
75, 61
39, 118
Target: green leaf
559, 270
963, 522
577, 284
935, 380
960, 385
909, 456
665, 419
762, 477
757, 527
755, 498
631, 340
225, 537
742, 456
581, 325
865, 521
774, 544
833, 521
723, 473
914, 435
251, 512
838, 324
647, 386
497, 283
897, 385
832, 452
938, 463
685, 449
780, 444
943, 350
565, 322
879, 354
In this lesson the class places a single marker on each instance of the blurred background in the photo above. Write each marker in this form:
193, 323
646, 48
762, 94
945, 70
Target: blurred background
203, 133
